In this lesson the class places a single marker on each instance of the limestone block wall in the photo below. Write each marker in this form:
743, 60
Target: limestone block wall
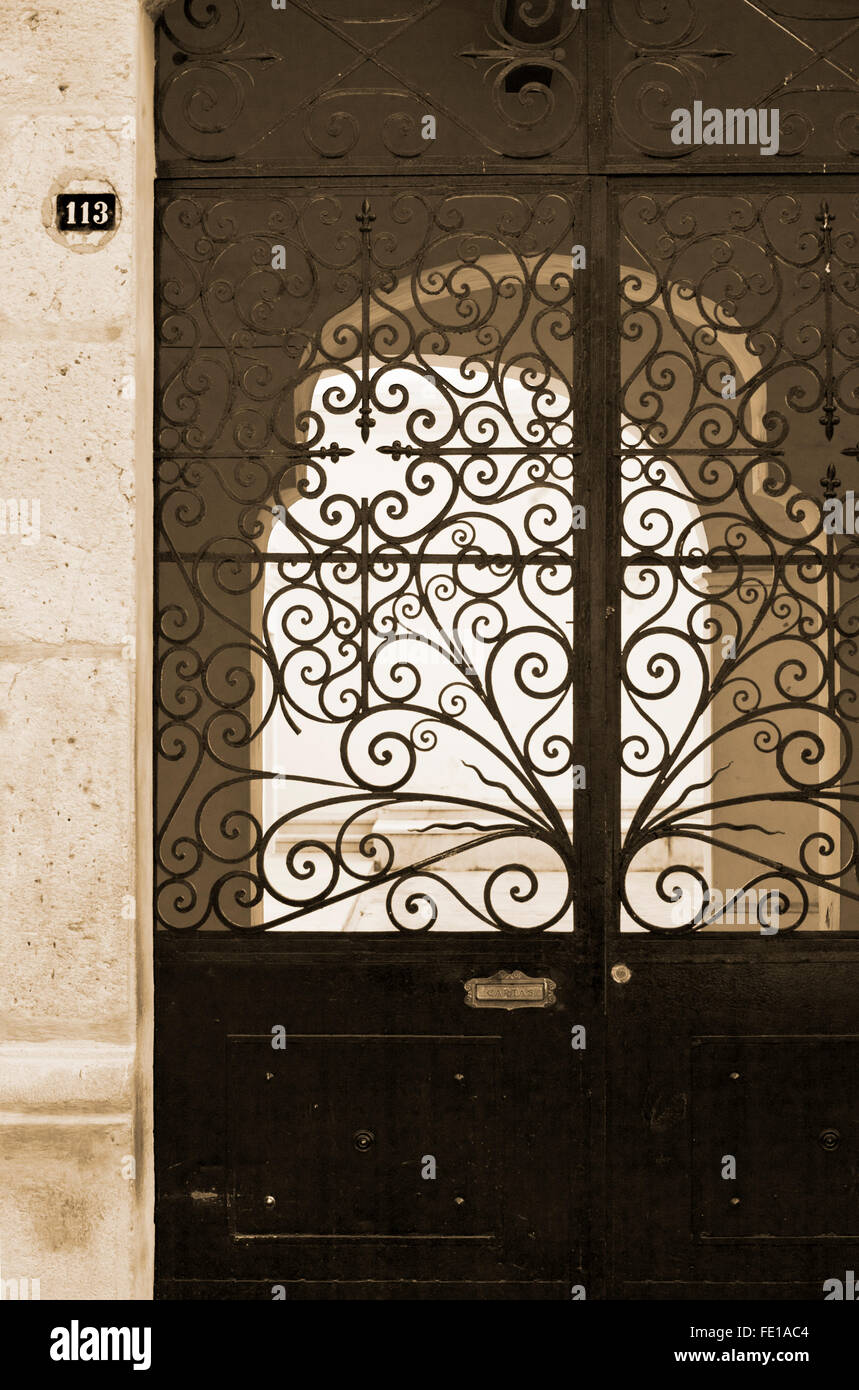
75, 615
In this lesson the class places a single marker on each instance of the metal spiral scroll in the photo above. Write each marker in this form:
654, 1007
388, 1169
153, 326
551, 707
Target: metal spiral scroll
665, 54
743, 611
453, 538
337, 82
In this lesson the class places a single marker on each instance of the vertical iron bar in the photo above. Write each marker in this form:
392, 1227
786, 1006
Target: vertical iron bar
595, 694
830, 622
364, 613
829, 419
366, 218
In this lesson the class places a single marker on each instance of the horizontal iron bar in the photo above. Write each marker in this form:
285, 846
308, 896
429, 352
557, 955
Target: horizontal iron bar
530, 450
728, 562
296, 456
455, 557
653, 451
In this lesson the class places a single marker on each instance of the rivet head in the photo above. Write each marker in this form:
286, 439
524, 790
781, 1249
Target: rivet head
734, 1075
735, 1201
829, 1139
363, 1139
271, 1201
459, 1201
621, 974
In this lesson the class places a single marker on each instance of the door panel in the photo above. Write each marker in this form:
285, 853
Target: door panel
732, 1016
787, 1108
369, 478
316, 1106
715, 1054
383, 1065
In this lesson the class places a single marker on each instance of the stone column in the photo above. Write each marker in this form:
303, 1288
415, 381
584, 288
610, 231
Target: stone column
75, 560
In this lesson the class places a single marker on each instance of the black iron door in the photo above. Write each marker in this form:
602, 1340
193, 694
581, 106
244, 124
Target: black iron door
368, 512
505, 651
733, 983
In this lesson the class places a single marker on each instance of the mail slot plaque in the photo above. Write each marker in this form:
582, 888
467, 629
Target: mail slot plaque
510, 989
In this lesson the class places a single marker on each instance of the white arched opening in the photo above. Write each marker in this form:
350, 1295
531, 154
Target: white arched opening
458, 831
305, 759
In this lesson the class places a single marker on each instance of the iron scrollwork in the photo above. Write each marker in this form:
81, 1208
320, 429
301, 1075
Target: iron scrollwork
796, 56
357, 635
348, 82
740, 368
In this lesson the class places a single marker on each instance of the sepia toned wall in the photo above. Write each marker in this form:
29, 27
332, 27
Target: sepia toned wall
75, 432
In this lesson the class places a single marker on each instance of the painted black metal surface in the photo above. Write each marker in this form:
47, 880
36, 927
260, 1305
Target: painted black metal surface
346, 85
301, 1153
250, 89
796, 57
749, 1054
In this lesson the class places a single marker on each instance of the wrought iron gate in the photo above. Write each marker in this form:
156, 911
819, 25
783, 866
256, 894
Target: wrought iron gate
365, 645
514, 618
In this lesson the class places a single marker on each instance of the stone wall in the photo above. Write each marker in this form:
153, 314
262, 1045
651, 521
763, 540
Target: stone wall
75, 614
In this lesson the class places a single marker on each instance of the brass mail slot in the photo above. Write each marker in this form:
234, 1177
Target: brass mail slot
510, 989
